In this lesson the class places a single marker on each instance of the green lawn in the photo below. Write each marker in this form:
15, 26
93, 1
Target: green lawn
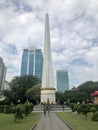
7, 122
78, 122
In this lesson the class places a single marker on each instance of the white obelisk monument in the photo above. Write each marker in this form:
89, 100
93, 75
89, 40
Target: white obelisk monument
47, 90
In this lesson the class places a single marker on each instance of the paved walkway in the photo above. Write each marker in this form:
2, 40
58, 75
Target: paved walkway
51, 122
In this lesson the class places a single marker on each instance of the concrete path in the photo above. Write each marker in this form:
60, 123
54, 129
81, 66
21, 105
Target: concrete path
51, 122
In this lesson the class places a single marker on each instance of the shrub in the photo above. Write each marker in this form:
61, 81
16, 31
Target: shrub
75, 107
1, 108
85, 109
96, 107
18, 112
95, 117
78, 109
93, 109
27, 108
72, 105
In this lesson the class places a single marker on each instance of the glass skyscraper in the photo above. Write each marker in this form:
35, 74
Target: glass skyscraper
62, 80
2, 74
32, 62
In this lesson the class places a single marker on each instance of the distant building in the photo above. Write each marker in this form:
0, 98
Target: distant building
2, 74
95, 95
6, 86
62, 80
32, 62
74, 88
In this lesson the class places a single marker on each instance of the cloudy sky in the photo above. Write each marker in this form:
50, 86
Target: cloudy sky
73, 30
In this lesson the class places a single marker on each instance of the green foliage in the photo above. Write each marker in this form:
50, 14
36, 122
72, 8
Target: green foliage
95, 117
20, 109
82, 93
27, 108
88, 87
75, 107
79, 109
85, 109
8, 97
18, 112
8, 109
19, 86
93, 109
74, 96
1, 108
33, 94
60, 97
96, 106
72, 105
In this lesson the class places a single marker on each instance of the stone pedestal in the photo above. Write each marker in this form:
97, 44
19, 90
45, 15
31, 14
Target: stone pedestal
48, 95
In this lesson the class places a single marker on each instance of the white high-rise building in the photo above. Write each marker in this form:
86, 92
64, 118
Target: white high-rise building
2, 74
47, 90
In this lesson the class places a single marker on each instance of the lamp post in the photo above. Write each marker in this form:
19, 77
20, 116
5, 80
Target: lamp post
18, 101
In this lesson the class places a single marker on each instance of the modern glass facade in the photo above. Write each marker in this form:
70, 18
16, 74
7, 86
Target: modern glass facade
32, 62
2, 74
62, 80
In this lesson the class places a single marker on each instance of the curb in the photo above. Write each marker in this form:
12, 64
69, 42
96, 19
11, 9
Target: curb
65, 122
35, 123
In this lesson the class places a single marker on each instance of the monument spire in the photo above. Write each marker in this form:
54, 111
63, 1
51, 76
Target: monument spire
47, 90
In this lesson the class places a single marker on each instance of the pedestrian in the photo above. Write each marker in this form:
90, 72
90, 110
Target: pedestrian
48, 107
45, 109
63, 106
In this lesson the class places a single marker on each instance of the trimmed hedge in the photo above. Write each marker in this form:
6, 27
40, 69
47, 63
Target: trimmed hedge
75, 106
28, 107
1, 108
6, 108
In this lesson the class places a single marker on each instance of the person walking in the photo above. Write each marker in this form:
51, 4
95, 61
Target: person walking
45, 109
48, 107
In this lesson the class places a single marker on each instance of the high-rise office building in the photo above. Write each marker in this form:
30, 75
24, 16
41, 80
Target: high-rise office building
62, 80
2, 74
32, 62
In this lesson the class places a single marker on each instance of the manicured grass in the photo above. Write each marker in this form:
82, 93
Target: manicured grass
7, 122
78, 121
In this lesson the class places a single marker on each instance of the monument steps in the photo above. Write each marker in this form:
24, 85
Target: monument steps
53, 108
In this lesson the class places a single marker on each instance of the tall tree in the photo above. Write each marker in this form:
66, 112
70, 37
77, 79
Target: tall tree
88, 88
33, 94
19, 85
60, 97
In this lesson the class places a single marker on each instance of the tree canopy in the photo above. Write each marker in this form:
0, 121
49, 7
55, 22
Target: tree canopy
33, 94
28, 88
19, 85
82, 93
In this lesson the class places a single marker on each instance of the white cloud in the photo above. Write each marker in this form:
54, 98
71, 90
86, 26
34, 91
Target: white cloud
74, 35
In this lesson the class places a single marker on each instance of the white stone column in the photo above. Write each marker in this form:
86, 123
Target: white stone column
47, 90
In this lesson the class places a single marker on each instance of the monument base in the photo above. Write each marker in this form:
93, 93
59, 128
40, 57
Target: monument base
48, 95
